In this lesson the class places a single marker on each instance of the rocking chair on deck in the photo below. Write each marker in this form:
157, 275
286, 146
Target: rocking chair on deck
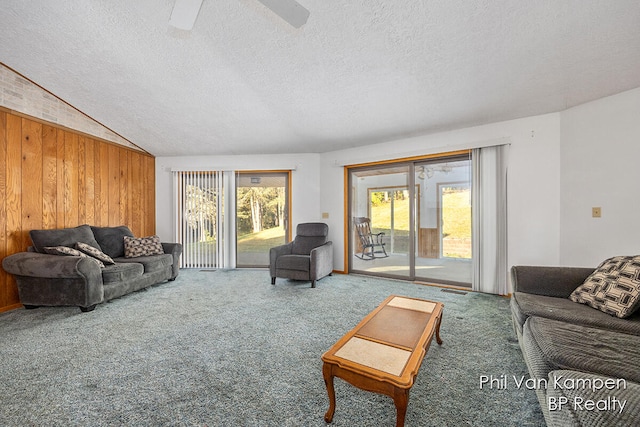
372, 244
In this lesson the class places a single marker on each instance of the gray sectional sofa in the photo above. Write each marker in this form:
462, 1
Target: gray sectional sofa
44, 279
584, 364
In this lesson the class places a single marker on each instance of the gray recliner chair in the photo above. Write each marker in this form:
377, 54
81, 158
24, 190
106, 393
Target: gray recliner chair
308, 257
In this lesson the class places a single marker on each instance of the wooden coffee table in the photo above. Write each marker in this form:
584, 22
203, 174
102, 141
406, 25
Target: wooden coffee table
384, 351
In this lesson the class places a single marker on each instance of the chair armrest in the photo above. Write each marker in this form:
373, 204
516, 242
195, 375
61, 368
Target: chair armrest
321, 261
34, 264
550, 281
276, 252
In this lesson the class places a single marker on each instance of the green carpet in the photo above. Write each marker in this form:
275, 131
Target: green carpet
227, 348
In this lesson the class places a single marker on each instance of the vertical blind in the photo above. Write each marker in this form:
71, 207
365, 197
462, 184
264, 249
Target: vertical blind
199, 217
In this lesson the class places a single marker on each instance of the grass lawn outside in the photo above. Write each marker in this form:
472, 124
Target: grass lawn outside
456, 218
261, 241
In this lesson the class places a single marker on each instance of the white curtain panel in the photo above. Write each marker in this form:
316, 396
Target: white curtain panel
489, 219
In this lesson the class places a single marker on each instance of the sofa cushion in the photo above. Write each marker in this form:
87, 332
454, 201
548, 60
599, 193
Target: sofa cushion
613, 288
94, 253
63, 237
294, 262
67, 251
551, 344
142, 246
111, 239
524, 305
150, 263
121, 272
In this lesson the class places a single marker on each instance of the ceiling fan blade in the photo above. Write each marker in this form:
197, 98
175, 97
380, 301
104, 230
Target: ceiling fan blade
184, 14
289, 10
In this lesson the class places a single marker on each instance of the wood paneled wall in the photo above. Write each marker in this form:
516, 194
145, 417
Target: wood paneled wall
52, 177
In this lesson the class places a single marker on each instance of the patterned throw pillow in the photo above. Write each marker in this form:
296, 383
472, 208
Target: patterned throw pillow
614, 287
65, 250
95, 253
142, 246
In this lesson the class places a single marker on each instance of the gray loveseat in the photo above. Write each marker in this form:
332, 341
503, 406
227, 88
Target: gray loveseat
53, 280
584, 363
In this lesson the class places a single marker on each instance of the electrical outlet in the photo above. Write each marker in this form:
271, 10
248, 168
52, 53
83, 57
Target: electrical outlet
325, 215
596, 212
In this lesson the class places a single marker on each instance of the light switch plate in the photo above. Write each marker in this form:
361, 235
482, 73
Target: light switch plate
596, 212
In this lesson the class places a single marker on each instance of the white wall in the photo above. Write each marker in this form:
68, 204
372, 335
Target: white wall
600, 157
533, 187
560, 166
305, 185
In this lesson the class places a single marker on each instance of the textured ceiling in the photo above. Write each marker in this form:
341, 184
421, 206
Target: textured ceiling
358, 72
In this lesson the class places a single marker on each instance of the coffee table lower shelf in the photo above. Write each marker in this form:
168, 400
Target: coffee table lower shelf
383, 353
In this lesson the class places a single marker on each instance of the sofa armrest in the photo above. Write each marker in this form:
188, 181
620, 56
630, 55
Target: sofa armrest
172, 248
34, 264
276, 252
54, 280
550, 281
321, 261
175, 250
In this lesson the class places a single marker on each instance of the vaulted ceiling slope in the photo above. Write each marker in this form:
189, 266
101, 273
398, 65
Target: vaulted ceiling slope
358, 72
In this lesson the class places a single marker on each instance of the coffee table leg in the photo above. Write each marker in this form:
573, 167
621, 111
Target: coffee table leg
328, 381
438, 340
401, 400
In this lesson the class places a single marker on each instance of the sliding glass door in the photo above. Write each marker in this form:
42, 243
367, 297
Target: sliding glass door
443, 222
420, 220
381, 195
224, 222
262, 216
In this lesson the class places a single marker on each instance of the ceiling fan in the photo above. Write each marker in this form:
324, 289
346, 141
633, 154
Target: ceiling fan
185, 12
